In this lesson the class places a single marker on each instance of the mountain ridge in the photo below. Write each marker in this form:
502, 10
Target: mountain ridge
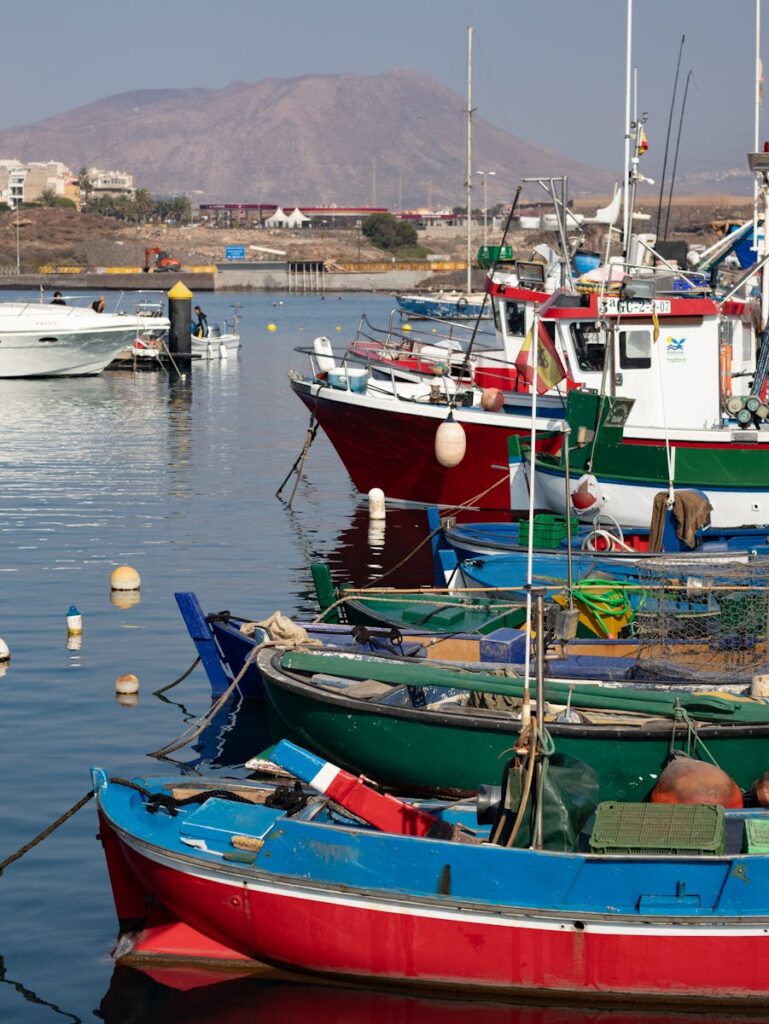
309, 139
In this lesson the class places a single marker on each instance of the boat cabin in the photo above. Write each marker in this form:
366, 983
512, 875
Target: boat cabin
680, 358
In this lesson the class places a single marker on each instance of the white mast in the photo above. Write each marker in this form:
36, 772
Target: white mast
757, 188
628, 85
469, 182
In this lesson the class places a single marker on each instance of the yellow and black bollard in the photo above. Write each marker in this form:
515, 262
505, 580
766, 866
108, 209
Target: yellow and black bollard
180, 315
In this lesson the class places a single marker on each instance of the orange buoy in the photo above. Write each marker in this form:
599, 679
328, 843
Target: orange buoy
492, 399
761, 788
686, 781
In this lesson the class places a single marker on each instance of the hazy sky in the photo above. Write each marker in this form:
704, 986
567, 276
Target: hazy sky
550, 71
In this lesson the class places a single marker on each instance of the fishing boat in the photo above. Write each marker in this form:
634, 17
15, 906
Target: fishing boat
414, 728
62, 340
332, 877
445, 305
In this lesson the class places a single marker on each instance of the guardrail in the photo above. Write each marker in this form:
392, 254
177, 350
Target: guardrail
48, 269
382, 267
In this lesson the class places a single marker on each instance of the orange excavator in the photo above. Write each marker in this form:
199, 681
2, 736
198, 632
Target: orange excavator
158, 260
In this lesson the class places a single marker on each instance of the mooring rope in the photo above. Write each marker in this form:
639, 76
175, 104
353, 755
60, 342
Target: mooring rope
178, 680
46, 831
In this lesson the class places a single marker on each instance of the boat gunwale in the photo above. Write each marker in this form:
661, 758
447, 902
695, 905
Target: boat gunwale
273, 673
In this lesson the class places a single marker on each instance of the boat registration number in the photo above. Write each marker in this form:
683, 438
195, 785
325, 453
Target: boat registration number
649, 306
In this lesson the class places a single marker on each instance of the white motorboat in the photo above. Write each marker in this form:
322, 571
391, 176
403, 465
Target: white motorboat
38, 340
218, 343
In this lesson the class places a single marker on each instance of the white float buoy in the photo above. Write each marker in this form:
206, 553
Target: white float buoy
450, 442
125, 578
127, 684
5, 654
376, 504
74, 622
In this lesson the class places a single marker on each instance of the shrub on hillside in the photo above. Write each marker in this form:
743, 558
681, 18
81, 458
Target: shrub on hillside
394, 236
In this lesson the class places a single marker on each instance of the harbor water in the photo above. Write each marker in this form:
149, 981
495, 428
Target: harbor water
176, 479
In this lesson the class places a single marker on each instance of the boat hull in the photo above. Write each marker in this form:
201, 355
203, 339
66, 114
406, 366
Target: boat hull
316, 925
215, 348
390, 444
456, 751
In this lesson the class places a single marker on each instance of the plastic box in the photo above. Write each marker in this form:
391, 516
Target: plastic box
659, 828
549, 530
352, 379
756, 836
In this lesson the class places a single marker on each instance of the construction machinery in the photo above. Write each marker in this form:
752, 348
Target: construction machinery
156, 259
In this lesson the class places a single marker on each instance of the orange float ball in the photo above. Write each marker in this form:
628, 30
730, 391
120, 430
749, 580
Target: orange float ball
492, 399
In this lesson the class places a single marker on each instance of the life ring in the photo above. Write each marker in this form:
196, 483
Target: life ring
462, 304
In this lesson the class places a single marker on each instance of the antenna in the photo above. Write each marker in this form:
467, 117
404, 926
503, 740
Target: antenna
675, 159
667, 137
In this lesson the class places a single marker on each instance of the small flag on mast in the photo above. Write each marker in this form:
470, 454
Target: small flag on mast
643, 143
550, 369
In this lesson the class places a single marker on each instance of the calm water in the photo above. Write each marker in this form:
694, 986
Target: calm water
179, 482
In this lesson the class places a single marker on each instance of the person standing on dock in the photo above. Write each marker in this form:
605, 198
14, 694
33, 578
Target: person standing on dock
201, 327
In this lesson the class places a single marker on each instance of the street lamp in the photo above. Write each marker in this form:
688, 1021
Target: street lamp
486, 175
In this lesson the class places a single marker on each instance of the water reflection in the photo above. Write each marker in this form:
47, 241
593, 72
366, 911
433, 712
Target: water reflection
28, 996
194, 997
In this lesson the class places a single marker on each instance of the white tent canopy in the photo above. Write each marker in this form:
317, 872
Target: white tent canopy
277, 220
296, 218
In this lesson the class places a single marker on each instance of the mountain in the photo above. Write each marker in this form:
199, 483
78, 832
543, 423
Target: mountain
318, 139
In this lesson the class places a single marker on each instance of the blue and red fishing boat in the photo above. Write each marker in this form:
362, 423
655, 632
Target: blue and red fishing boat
332, 877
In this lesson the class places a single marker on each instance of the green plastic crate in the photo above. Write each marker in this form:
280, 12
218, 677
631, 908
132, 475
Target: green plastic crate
489, 254
549, 530
658, 828
756, 836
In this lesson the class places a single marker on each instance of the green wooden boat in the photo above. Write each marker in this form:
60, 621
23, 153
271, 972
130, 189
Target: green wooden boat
427, 608
412, 726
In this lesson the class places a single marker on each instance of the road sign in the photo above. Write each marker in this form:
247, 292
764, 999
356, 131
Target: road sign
235, 252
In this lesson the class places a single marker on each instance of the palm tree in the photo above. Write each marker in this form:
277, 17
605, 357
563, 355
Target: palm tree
86, 188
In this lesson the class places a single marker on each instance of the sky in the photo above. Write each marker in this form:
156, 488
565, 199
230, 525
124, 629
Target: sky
549, 71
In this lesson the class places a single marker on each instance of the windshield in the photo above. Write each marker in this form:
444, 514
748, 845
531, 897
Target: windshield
589, 345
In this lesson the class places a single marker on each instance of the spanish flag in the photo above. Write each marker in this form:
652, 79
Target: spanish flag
550, 369
643, 144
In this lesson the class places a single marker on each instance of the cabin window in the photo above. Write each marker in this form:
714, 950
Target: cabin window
515, 319
635, 350
589, 345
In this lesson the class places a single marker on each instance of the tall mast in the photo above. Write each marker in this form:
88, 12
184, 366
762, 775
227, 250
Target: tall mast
628, 85
469, 182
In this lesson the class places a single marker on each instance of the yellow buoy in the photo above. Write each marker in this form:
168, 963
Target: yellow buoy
125, 578
338, 328
271, 327
450, 442
407, 327
127, 684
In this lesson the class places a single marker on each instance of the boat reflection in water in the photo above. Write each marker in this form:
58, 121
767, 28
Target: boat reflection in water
196, 996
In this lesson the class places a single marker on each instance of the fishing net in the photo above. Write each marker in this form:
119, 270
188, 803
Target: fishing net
702, 621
